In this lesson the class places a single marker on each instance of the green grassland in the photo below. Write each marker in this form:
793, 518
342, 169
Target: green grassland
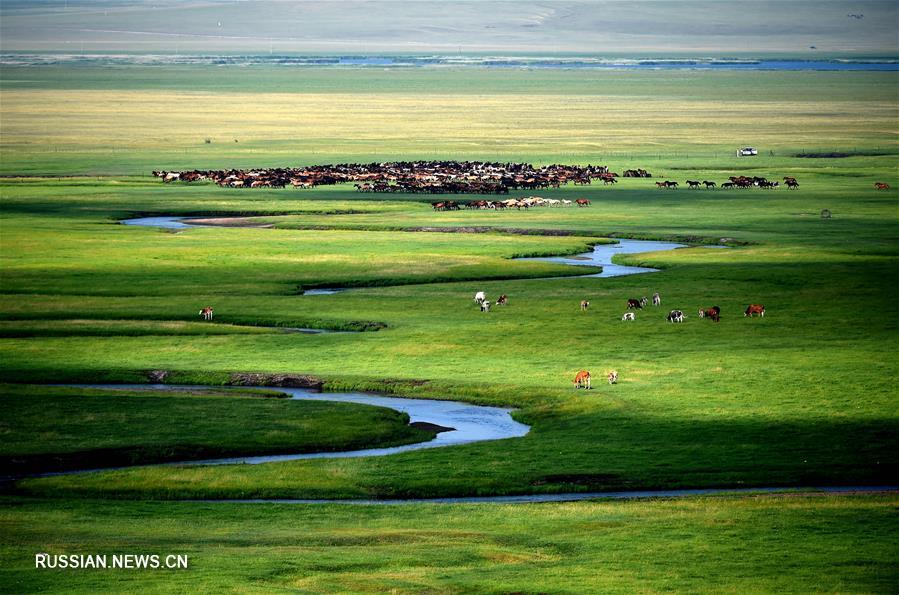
789, 544
126, 121
804, 396
57, 428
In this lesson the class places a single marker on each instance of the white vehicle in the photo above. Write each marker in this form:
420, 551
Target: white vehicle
747, 152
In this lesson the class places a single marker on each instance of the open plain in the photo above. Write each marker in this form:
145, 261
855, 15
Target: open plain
802, 397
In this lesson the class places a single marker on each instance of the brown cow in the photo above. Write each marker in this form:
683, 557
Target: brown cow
582, 380
634, 304
502, 300
714, 313
753, 309
584, 304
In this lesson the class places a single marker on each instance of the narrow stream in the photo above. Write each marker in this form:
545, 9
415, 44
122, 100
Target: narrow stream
468, 423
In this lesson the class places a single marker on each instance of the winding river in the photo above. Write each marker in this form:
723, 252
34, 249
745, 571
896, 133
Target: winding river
600, 256
466, 423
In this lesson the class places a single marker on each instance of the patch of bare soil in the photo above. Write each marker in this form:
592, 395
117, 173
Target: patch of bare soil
280, 380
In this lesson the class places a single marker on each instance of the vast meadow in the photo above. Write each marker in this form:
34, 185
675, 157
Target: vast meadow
802, 397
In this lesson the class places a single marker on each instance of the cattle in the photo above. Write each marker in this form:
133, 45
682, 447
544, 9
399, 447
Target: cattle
584, 304
754, 309
629, 316
582, 380
634, 304
480, 297
485, 306
582, 202
792, 184
206, 313
656, 299
881, 186
503, 300
613, 377
714, 313
643, 301
675, 316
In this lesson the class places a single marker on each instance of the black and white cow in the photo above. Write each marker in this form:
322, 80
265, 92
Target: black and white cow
675, 316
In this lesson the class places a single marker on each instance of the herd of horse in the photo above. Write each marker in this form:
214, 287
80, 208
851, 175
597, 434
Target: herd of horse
739, 182
527, 202
425, 177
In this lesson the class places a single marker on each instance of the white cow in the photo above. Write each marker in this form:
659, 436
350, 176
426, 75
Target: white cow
656, 299
485, 306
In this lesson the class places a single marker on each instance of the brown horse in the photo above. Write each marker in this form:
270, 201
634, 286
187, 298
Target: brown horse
582, 202
753, 309
582, 380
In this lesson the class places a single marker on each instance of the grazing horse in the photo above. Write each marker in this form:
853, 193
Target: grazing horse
582, 380
656, 299
503, 300
582, 202
584, 304
480, 297
629, 316
881, 186
206, 313
634, 304
613, 377
675, 316
714, 313
754, 309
